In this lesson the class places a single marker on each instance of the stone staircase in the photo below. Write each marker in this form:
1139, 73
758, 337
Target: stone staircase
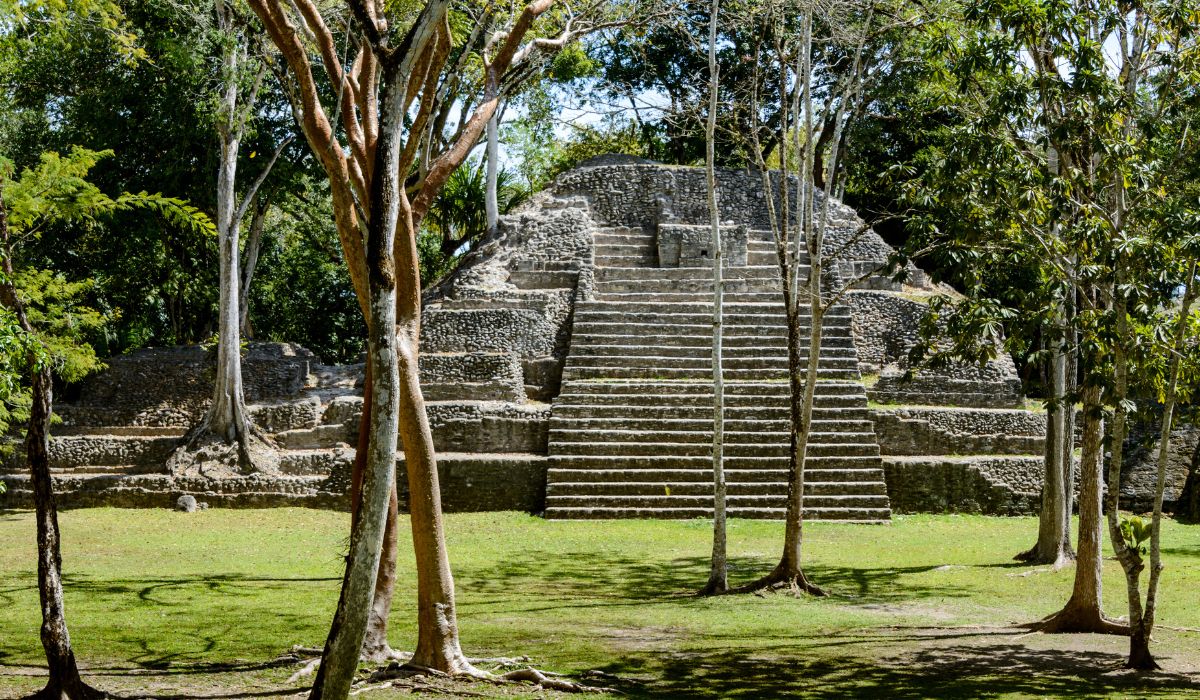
631, 430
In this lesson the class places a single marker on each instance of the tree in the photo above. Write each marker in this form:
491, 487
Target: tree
390, 99
718, 577
55, 191
800, 228
226, 436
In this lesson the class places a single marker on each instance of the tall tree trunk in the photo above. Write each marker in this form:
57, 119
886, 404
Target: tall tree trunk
1082, 612
718, 577
227, 417
348, 631
64, 680
1070, 387
227, 423
1052, 546
492, 195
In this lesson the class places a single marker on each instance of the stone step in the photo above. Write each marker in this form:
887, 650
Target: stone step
572, 373
734, 363
616, 512
731, 307
705, 297
771, 322
110, 450
625, 247
119, 430
674, 274
661, 462
601, 238
322, 436
314, 462
756, 286
626, 260
640, 391
97, 469
583, 411
868, 478
618, 335
732, 352
672, 450
576, 404
734, 500
625, 428
705, 489
733, 332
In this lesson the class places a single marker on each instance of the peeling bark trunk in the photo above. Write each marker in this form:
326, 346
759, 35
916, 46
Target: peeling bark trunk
348, 631
437, 627
718, 577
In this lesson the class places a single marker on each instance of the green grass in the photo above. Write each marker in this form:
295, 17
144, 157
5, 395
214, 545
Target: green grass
161, 603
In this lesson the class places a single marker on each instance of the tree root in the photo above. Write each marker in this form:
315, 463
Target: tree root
1072, 620
781, 580
408, 674
202, 453
1062, 559
79, 691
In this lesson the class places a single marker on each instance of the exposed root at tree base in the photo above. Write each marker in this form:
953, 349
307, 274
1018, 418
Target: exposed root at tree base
81, 691
1031, 557
202, 453
781, 581
416, 677
1079, 621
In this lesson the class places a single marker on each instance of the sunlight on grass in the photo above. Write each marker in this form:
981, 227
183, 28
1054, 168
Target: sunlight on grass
159, 589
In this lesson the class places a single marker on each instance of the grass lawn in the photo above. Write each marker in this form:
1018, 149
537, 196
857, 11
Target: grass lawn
166, 604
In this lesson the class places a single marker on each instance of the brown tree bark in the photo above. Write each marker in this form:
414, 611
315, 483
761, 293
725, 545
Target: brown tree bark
64, 680
380, 149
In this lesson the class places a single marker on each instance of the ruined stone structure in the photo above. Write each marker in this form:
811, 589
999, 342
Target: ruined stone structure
566, 366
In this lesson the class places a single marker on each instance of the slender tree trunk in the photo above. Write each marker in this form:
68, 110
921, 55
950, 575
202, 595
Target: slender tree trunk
348, 631
376, 648
253, 246
718, 577
1141, 619
1082, 612
492, 196
64, 680
1052, 546
227, 422
1071, 386
227, 417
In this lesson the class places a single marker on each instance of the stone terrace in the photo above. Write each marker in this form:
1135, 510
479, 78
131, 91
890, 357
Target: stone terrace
566, 368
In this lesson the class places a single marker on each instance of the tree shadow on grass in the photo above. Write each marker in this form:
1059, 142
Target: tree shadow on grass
580, 578
969, 665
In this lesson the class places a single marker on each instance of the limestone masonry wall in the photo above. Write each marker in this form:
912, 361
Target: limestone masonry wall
495, 336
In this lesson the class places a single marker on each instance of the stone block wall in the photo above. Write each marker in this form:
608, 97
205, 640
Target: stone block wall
886, 328
172, 387
688, 245
937, 431
646, 194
